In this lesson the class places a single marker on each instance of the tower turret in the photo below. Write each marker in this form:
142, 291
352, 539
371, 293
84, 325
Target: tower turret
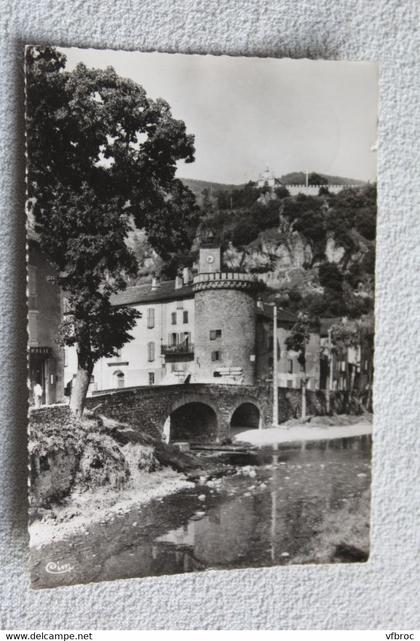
225, 321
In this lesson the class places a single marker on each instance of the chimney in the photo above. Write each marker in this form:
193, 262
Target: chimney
178, 282
186, 275
155, 284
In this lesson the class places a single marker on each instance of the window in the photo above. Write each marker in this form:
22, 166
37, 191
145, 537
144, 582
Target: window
119, 379
32, 299
290, 366
289, 383
173, 318
270, 361
215, 356
33, 328
150, 351
270, 342
150, 318
151, 378
215, 333
173, 339
185, 316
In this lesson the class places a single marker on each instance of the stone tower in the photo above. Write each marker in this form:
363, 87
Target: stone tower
225, 322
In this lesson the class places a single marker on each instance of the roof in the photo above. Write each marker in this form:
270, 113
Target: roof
282, 314
144, 294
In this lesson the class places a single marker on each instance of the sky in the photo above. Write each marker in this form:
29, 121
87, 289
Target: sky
251, 113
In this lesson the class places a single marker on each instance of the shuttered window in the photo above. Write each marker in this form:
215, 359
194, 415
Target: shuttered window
150, 318
33, 328
150, 351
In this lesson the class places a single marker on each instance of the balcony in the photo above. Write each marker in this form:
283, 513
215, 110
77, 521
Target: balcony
181, 352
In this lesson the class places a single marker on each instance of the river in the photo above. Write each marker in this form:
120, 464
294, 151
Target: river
274, 511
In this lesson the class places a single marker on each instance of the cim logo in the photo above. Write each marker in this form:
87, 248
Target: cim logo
58, 568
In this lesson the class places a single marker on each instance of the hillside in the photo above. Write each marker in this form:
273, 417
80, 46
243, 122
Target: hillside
198, 186
314, 253
293, 178
299, 178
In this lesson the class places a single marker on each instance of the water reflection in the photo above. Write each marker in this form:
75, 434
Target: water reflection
260, 517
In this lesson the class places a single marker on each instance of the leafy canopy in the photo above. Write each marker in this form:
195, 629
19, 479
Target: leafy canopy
102, 157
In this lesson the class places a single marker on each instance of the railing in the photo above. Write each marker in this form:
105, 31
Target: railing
215, 276
182, 348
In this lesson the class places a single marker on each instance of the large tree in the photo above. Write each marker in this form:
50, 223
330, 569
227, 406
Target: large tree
101, 157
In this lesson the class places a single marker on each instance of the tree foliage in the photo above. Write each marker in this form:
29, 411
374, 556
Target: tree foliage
101, 157
317, 179
299, 338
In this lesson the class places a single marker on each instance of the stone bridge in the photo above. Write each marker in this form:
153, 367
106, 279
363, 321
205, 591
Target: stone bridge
197, 412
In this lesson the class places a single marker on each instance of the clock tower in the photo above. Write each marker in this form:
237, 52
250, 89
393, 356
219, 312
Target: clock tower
210, 259
225, 321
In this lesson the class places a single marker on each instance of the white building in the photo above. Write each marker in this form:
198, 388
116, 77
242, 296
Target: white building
161, 351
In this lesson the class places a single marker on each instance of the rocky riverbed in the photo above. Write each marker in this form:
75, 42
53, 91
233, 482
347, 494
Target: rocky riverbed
306, 503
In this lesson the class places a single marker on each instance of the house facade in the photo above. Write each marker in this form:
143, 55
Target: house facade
290, 372
45, 356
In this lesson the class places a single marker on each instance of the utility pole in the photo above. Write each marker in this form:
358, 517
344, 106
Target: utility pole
275, 371
330, 373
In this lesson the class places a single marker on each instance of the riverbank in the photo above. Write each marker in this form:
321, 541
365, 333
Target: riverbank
319, 428
101, 505
303, 505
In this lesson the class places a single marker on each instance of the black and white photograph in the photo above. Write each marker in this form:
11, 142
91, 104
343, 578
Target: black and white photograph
200, 290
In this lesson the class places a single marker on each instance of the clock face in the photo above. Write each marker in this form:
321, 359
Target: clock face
210, 259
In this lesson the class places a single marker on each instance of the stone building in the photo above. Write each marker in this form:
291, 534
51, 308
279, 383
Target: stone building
225, 322
290, 371
202, 329
45, 357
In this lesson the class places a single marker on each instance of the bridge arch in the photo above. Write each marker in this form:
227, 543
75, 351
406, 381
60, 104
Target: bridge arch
247, 415
193, 419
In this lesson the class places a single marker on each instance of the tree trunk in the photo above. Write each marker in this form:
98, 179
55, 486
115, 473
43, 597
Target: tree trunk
79, 390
